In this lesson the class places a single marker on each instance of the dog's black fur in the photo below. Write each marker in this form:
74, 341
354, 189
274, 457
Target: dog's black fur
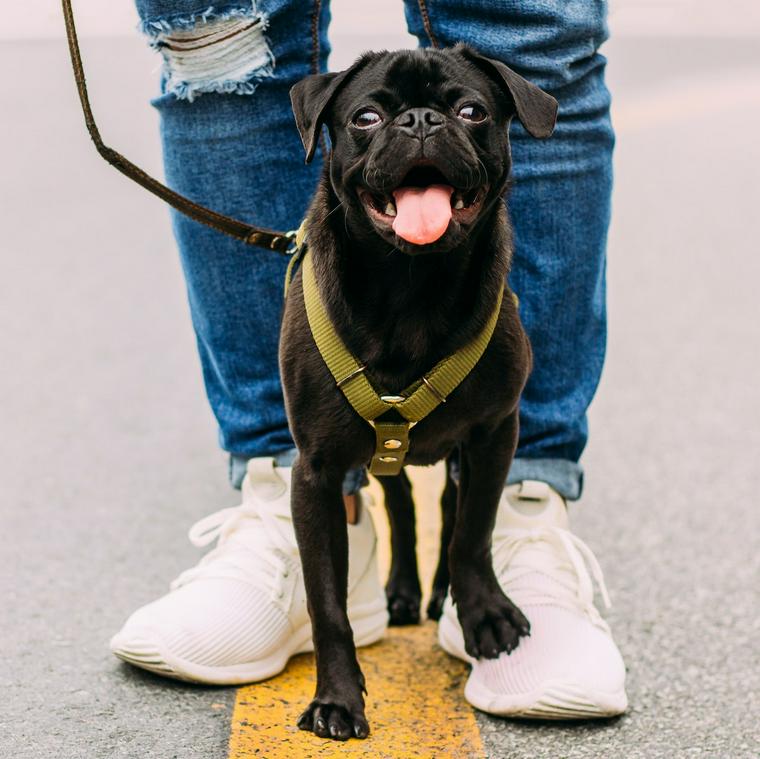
400, 308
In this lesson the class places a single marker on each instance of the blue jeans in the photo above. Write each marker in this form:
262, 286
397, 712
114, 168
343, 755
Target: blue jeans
230, 142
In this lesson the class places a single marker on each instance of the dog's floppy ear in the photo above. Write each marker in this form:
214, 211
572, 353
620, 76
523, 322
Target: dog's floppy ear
536, 109
310, 98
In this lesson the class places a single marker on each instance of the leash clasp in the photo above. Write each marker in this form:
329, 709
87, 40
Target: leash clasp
291, 236
285, 243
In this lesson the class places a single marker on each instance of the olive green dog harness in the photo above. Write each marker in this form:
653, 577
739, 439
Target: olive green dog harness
413, 404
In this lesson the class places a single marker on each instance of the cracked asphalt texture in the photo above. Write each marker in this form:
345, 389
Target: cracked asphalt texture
108, 449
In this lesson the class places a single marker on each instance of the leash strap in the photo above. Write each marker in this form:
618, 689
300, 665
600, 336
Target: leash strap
266, 238
414, 403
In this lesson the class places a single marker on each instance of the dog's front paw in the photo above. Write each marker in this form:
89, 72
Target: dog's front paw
336, 721
491, 625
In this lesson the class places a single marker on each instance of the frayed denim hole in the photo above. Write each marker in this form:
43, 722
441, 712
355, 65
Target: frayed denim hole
224, 52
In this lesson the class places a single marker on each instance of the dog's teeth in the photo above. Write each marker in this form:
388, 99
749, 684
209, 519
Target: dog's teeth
459, 203
390, 209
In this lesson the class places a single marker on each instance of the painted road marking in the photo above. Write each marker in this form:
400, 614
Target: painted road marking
415, 704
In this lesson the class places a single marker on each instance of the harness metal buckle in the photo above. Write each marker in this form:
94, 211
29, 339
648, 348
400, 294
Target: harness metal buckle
355, 373
392, 399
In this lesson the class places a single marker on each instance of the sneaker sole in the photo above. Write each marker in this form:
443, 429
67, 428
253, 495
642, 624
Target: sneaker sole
369, 623
555, 700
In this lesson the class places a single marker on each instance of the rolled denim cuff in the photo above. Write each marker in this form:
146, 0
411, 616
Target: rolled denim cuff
353, 482
565, 476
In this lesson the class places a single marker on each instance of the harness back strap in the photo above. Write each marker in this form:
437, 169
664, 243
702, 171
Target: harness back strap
265, 238
414, 403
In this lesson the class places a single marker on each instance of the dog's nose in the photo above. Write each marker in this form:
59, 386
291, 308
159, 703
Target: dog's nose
420, 122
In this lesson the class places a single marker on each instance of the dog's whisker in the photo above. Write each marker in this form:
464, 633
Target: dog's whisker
482, 171
333, 211
374, 175
345, 225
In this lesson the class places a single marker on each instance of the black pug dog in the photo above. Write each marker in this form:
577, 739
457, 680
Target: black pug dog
410, 246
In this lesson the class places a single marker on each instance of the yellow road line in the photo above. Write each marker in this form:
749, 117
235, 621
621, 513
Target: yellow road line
415, 704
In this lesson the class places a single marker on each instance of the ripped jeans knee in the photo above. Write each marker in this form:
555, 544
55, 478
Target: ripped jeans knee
225, 51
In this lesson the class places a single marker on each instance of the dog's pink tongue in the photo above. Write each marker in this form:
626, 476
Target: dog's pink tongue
422, 213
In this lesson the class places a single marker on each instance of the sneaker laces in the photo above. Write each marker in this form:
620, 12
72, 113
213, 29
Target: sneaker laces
561, 557
253, 545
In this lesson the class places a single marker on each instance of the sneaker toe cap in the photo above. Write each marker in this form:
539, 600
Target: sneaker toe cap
207, 622
567, 662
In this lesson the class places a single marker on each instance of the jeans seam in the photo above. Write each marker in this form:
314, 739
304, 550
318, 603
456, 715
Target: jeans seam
316, 10
422, 4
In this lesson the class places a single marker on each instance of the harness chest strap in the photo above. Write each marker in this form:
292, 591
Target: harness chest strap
413, 404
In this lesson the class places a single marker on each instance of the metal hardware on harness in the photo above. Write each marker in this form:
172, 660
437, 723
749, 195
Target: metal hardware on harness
350, 376
393, 399
388, 459
433, 390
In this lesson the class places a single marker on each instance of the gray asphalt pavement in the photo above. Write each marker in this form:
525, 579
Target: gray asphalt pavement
108, 450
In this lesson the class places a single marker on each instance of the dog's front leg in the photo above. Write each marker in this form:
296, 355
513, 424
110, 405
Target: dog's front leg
491, 623
319, 517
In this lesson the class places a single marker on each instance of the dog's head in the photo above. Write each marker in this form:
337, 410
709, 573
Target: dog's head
420, 146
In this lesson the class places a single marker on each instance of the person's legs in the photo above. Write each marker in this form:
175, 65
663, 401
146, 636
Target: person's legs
569, 667
560, 207
230, 143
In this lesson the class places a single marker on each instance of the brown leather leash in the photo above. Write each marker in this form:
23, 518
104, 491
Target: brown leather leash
282, 242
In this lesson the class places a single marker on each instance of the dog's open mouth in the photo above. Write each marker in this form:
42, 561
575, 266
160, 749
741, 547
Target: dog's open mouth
420, 209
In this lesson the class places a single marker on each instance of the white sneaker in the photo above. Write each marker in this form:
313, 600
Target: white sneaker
569, 667
240, 614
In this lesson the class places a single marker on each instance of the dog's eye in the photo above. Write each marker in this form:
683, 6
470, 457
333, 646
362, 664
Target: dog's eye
367, 119
472, 112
